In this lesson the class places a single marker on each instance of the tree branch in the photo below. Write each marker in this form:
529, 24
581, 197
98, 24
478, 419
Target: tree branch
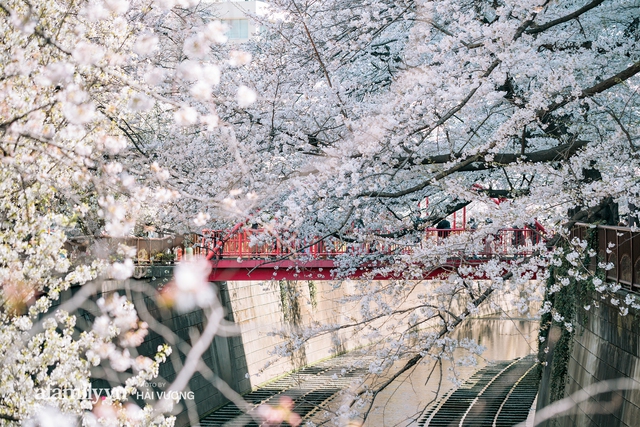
540, 28
478, 163
460, 105
562, 151
9, 417
612, 81
456, 168
593, 90
443, 331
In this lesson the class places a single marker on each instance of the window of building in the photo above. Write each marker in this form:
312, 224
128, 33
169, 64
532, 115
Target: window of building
238, 28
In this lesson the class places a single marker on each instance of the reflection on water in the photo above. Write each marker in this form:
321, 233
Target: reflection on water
504, 339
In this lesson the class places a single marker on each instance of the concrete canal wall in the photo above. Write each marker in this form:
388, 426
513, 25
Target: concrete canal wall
605, 346
246, 360
259, 308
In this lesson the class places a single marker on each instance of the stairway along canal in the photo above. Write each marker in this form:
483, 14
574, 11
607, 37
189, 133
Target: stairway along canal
498, 391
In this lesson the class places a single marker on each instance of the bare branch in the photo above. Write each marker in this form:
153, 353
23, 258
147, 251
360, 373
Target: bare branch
561, 152
443, 331
540, 28
593, 90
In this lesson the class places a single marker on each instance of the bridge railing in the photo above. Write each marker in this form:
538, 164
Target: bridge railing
258, 244
81, 247
619, 246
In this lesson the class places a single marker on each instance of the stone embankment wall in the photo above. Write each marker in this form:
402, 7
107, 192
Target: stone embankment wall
177, 328
260, 308
244, 360
605, 346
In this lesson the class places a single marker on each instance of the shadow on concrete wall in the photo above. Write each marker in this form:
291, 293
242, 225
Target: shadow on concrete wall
224, 357
605, 346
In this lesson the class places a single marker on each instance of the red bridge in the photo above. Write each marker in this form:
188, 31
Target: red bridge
254, 254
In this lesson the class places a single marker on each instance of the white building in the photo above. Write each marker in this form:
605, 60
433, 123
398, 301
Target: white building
236, 14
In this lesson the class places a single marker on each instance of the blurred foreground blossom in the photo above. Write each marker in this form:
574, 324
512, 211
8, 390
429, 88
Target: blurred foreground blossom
201, 219
122, 270
246, 96
190, 287
238, 58
283, 412
103, 413
186, 116
50, 417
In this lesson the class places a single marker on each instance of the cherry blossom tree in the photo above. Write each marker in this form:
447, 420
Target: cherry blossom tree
337, 122
376, 107
367, 109
77, 82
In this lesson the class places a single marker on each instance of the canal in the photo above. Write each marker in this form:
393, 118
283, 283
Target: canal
498, 390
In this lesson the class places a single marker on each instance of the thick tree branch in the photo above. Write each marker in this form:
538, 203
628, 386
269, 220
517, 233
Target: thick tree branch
498, 194
456, 168
562, 151
9, 417
593, 90
540, 28
478, 162
612, 81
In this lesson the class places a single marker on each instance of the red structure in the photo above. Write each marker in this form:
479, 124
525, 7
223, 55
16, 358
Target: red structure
253, 254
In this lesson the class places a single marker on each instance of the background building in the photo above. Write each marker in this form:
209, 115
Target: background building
237, 15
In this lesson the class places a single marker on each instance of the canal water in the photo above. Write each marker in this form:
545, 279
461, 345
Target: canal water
403, 402
318, 391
